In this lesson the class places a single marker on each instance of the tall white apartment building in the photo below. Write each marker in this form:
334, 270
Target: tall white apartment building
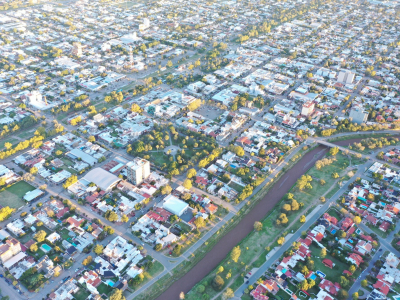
138, 170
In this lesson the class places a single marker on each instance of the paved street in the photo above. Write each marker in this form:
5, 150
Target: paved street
310, 220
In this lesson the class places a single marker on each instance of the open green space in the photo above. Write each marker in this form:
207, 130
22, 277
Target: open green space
253, 246
159, 158
64, 234
12, 196
236, 187
149, 274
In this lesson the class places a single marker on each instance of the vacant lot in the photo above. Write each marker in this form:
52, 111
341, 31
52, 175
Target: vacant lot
12, 196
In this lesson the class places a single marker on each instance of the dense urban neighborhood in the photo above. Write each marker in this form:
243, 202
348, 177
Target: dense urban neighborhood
171, 149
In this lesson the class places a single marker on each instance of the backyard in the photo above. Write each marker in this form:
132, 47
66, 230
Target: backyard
82, 294
12, 196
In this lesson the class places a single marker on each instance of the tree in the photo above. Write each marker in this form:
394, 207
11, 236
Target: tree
8, 145
87, 261
91, 139
335, 175
323, 252
302, 219
304, 285
220, 269
98, 249
357, 220
257, 226
322, 182
117, 295
343, 294
187, 184
355, 296
166, 189
281, 240
5, 213
158, 247
218, 283
28, 177
333, 151
169, 64
40, 236
305, 271
343, 281
136, 108
177, 250
199, 222
181, 295
352, 269
124, 218
33, 248
111, 216
228, 294
200, 289
191, 173
235, 253
364, 283
282, 219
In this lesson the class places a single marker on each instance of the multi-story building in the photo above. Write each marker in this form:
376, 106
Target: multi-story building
77, 49
9, 249
138, 170
307, 108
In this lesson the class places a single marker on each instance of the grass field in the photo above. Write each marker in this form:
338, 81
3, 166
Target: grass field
104, 289
12, 196
159, 158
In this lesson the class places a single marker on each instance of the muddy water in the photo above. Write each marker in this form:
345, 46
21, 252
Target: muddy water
233, 237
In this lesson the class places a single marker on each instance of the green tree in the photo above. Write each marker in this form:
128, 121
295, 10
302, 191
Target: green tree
218, 283
364, 283
199, 222
177, 250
